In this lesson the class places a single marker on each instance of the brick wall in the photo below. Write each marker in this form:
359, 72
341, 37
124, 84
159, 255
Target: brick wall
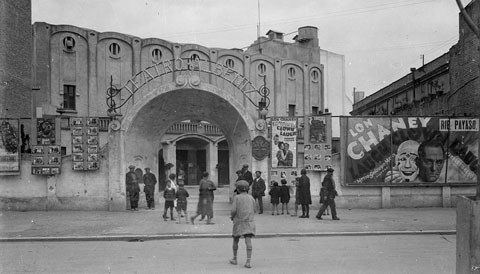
15, 58
464, 67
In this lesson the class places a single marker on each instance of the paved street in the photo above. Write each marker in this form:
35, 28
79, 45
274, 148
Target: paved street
387, 254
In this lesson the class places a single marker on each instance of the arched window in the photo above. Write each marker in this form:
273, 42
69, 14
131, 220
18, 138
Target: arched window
156, 55
114, 49
262, 69
291, 73
69, 43
230, 63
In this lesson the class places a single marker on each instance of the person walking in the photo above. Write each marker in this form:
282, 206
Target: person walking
243, 216
182, 195
284, 196
205, 202
330, 193
274, 197
170, 197
133, 189
304, 196
258, 190
149, 180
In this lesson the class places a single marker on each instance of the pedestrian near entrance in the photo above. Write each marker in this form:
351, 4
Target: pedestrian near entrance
182, 195
258, 190
274, 197
149, 180
242, 215
133, 189
247, 175
170, 197
205, 199
304, 196
284, 196
330, 193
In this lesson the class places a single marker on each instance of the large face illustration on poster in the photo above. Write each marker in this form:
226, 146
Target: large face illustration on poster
410, 150
284, 142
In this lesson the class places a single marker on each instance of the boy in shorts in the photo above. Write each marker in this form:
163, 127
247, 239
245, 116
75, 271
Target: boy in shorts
242, 215
169, 195
182, 195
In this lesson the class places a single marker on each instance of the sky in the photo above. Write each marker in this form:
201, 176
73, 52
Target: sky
380, 39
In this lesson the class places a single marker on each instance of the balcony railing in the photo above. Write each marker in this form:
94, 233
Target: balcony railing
200, 128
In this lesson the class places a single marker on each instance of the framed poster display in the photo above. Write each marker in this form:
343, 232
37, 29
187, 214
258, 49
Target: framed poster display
85, 141
46, 160
318, 145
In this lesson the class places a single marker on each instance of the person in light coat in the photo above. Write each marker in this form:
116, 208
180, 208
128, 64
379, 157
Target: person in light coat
242, 215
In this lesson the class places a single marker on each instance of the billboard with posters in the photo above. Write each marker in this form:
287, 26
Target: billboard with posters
9, 147
318, 144
410, 150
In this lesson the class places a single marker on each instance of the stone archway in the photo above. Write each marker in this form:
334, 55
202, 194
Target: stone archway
157, 109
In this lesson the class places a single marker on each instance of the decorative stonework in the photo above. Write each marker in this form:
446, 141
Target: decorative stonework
190, 80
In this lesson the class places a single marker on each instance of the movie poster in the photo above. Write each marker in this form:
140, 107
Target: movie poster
9, 147
318, 145
410, 150
284, 142
46, 131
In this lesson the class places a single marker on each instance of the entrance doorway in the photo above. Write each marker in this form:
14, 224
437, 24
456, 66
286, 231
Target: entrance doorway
191, 159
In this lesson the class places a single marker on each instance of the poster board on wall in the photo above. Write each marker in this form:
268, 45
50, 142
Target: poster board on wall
9, 147
318, 143
85, 143
389, 151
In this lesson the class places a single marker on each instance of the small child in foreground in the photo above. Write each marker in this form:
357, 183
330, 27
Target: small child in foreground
182, 195
242, 215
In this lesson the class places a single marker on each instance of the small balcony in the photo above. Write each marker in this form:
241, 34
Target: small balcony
200, 128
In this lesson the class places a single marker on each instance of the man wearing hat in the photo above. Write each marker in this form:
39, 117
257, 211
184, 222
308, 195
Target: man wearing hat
247, 175
133, 189
329, 184
258, 190
149, 180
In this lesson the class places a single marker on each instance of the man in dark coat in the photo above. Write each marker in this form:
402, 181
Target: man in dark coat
247, 175
133, 189
329, 200
258, 190
149, 180
304, 194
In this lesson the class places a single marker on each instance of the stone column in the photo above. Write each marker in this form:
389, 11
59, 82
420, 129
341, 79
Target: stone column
170, 156
117, 200
212, 161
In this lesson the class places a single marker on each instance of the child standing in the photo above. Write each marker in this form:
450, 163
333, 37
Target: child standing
274, 197
242, 215
182, 195
169, 195
284, 195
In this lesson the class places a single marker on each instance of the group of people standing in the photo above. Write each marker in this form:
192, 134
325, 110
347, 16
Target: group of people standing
175, 195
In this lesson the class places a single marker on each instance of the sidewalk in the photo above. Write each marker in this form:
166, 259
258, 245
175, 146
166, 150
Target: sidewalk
148, 224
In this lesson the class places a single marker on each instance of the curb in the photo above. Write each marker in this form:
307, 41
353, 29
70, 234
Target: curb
142, 238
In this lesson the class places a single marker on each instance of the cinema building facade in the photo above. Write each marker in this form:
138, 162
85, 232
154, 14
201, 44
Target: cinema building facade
100, 102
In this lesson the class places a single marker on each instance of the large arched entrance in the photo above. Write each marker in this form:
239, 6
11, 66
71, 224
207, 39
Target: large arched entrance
148, 118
